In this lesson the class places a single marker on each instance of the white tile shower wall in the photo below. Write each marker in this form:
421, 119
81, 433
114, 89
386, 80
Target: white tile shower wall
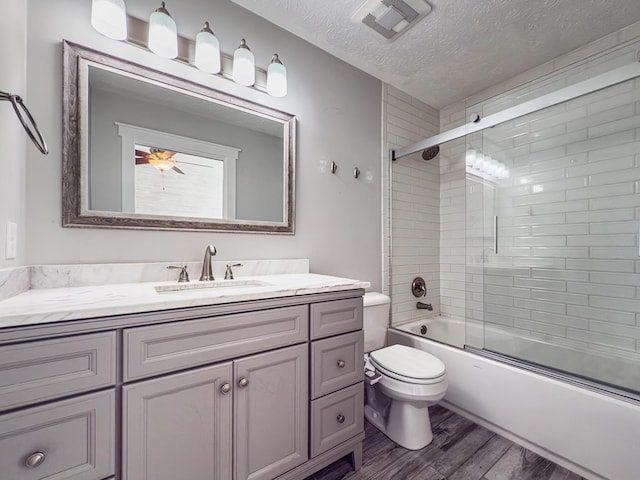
414, 248
567, 269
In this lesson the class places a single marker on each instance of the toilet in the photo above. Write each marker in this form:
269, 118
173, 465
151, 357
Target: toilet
400, 382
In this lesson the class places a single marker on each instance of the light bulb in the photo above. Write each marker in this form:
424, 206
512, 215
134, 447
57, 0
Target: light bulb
470, 157
163, 33
109, 17
207, 50
244, 65
276, 78
478, 163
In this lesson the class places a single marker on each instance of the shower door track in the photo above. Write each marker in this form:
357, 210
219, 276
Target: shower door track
599, 82
597, 387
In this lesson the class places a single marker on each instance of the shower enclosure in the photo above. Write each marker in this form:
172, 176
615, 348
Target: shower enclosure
547, 190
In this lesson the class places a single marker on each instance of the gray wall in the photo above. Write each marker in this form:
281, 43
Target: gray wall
338, 221
13, 79
259, 166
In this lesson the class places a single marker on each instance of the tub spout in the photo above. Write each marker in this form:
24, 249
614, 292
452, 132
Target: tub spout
424, 306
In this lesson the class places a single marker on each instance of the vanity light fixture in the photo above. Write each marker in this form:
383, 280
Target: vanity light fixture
163, 33
244, 65
207, 50
276, 78
109, 17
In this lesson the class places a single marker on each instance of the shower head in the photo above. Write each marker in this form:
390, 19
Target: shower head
430, 153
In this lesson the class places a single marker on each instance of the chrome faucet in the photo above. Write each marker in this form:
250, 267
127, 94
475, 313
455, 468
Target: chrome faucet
207, 274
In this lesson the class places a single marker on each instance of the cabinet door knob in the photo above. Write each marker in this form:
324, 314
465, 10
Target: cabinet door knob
341, 363
243, 382
340, 418
35, 459
225, 389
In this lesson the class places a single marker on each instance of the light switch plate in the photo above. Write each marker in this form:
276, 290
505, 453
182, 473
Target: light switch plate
11, 249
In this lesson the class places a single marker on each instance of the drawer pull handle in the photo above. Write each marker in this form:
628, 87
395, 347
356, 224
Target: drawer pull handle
340, 418
34, 460
341, 363
243, 382
225, 389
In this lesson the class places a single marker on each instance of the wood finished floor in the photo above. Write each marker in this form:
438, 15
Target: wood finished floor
461, 450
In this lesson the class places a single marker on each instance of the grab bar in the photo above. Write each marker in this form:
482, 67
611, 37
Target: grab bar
21, 110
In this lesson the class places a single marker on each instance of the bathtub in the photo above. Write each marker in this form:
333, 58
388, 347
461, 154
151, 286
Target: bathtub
440, 328
590, 433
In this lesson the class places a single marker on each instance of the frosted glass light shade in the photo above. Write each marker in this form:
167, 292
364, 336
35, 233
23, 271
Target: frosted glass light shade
276, 78
244, 66
207, 51
163, 34
109, 17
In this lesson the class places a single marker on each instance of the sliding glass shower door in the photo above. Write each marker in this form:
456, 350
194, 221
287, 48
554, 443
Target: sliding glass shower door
552, 226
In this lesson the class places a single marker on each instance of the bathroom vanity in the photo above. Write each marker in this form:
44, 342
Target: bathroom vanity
242, 385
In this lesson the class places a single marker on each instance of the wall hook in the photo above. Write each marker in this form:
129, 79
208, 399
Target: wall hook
356, 172
334, 167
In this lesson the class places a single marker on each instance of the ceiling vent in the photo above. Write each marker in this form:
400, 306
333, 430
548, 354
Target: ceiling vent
391, 18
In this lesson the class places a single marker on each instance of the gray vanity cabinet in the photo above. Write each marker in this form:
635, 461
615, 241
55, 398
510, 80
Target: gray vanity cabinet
179, 426
271, 413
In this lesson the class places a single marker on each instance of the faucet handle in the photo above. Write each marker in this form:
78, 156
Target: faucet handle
184, 276
228, 275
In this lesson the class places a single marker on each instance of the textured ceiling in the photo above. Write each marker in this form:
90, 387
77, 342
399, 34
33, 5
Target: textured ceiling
461, 47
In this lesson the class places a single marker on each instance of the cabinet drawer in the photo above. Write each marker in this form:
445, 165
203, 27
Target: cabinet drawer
163, 348
68, 440
336, 418
332, 318
337, 363
42, 370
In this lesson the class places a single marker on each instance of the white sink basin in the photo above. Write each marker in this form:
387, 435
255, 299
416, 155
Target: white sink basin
213, 285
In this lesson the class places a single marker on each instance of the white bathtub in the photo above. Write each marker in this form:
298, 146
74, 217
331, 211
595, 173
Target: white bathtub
592, 434
440, 328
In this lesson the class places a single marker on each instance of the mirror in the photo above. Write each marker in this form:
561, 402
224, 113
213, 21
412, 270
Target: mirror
144, 149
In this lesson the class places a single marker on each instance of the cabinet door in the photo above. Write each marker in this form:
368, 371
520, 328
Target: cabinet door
271, 396
178, 426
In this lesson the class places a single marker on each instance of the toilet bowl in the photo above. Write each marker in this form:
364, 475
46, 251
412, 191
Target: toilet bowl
400, 382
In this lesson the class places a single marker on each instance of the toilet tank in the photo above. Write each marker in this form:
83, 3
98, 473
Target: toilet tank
376, 320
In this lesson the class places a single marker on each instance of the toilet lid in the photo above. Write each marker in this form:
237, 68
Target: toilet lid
407, 362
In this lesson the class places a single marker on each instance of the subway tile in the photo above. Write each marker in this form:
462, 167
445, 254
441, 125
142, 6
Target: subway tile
567, 229
621, 291
539, 241
560, 297
602, 339
618, 214
549, 219
622, 201
623, 266
614, 164
496, 299
616, 278
615, 151
614, 329
564, 320
602, 240
568, 274
601, 143
565, 252
615, 303
601, 191
603, 117
631, 174
559, 263
575, 142
536, 283
538, 198
539, 305
621, 124
540, 327
572, 206
613, 227
626, 318
507, 311
630, 253
506, 291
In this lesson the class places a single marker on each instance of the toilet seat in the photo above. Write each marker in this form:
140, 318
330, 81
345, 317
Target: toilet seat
408, 364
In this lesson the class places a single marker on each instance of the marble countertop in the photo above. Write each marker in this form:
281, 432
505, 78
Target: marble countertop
44, 305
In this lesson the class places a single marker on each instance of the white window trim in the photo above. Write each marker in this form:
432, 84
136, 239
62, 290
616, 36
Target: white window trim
132, 135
